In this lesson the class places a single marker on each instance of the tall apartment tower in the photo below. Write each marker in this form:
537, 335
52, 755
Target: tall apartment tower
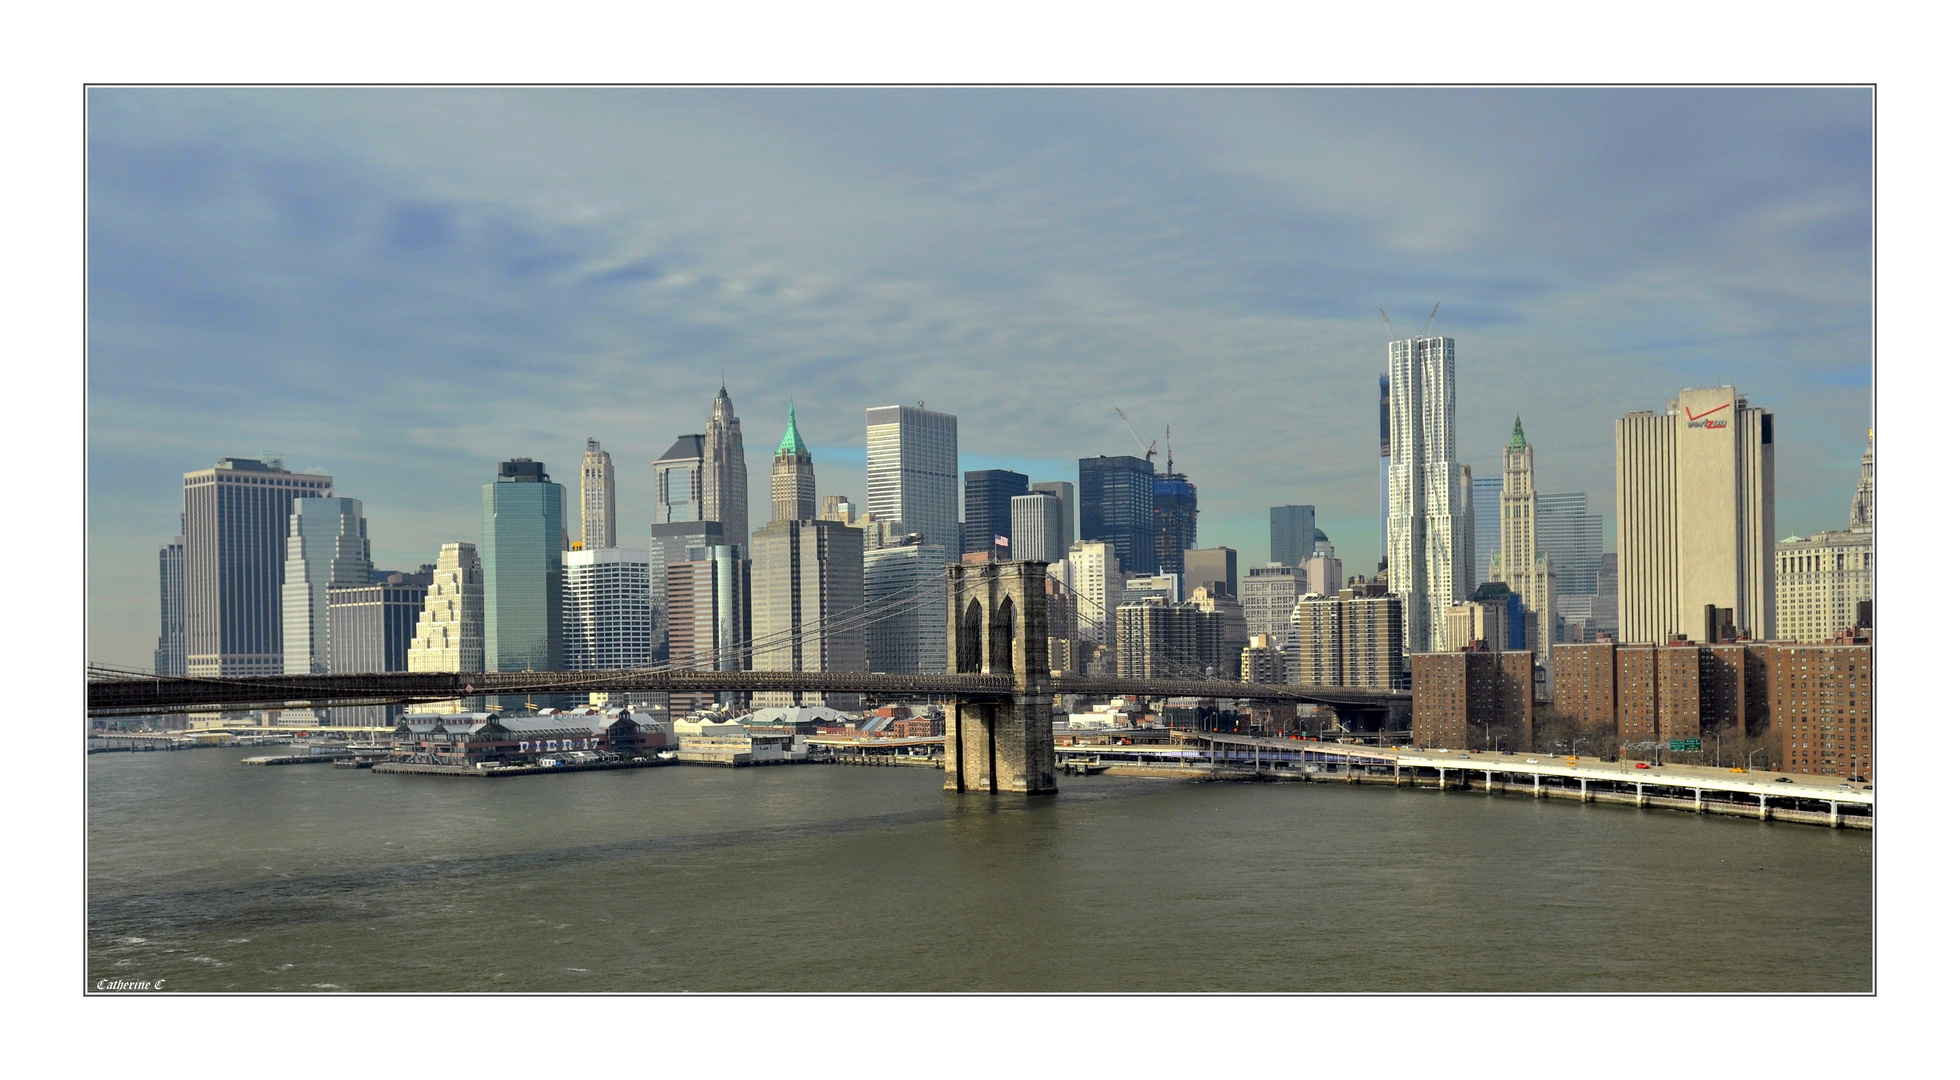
1291, 533
1096, 576
912, 472
1520, 562
236, 518
808, 585
1821, 580
1065, 491
1174, 514
724, 486
1036, 528
1695, 491
595, 503
792, 478
326, 548
449, 630
1430, 516
1350, 639
523, 569
1119, 508
169, 659
989, 506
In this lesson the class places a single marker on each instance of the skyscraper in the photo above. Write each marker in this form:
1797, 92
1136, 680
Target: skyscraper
1174, 519
677, 482
523, 569
326, 548
595, 486
905, 585
724, 486
1821, 579
1291, 530
1430, 544
1065, 491
235, 525
1096, 579
707, 591
1384, 465
372, 626
1119, 508
792, 478
1269, 595
1485, 493
1215, 565
608, 609
989, 495
1036, 531
1351, 639
1521, 563
449, 629
1573, 538
169, 659
1695, 491
912, 471
807, 591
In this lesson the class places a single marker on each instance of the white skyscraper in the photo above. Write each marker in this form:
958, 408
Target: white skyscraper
1430, 544
595, 483
1097, 582
449, 632
608, 609
326, 547
1036, 525
912, 471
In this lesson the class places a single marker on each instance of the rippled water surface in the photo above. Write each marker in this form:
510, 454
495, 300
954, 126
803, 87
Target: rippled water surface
221, 877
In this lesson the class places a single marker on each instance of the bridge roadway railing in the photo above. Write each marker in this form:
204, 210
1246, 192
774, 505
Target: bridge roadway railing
123, 694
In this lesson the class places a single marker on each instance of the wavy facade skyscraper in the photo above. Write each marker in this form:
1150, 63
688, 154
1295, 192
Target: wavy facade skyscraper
1430, 542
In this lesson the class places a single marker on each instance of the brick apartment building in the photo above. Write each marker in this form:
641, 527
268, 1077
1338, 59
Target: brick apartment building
1817, 698
1472, 698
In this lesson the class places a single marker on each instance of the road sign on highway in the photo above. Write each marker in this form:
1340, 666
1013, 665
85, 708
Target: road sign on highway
1684, 745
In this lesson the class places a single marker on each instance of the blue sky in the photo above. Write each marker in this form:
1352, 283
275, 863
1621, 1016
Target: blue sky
403, 287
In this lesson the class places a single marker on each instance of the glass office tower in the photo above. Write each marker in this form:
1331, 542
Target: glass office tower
523, 569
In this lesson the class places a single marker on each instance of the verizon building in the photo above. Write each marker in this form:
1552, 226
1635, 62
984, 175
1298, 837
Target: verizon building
1695, 490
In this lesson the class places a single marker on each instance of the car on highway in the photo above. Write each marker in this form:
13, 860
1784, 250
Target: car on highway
1782, 779
1641, 765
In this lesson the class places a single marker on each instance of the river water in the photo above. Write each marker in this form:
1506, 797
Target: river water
214, 876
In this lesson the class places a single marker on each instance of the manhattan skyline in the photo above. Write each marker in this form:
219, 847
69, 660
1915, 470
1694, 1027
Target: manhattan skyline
404, 288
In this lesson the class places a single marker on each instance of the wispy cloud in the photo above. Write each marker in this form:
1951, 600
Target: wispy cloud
407, 286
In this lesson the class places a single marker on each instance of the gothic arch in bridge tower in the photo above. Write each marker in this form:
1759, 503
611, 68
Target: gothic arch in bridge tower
997, 615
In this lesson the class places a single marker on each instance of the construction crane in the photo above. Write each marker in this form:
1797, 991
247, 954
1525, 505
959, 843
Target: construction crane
1149, 452
1432, 318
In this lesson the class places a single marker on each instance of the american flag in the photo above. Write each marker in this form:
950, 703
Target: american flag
1001, 541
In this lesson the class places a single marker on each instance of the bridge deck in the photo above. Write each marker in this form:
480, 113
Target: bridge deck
135, 695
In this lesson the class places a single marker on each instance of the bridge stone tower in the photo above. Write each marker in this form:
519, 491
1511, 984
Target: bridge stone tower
997, 624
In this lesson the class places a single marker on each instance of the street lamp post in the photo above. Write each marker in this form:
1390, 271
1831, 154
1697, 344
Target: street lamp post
1751, 762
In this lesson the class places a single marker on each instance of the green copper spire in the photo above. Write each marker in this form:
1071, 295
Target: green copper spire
1517, 433
792, 441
